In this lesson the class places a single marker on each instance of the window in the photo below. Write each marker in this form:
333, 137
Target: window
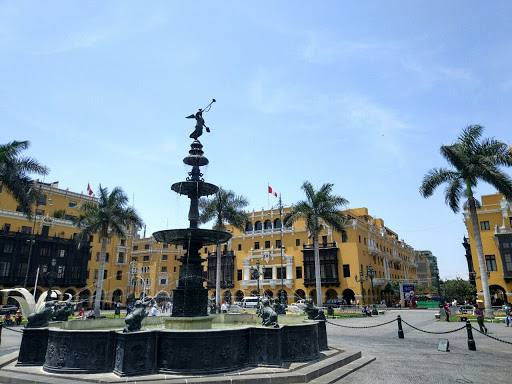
22, 269
0, 189
239, 247
96, 273
135, 247
346, 270
174, 269
107, 257
42, 252
297, 242
164, 257
277, 223
146, 246
61, 253
324, 241
484, 226
165, 246
278, 243
175, 257
490, 262
27, 230
145, 258
267, 273
72, 204
205, 250
364, 240
75, 272
69, 217
267, 224
119, 275
359, 238
105, 274
258, 226
40, 212
135, 258
8, 248
162, 281
7, 227
120, 257
279, 273
19, 208
248, 227
87, 274
41, 200
123, 242
164, 269
298, 272
267, 243
5, 266
239, 274
256, 245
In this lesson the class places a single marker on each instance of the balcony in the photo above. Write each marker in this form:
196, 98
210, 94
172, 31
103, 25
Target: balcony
377, 282
373, 250
326, 282
396, 257
273, 283
321, 245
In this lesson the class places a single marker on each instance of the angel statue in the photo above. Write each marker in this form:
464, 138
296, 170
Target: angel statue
200, 121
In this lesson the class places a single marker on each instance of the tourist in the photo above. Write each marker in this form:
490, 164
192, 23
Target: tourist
480, 317
154, 310
224, 307
117, 311
508, 314
128, 309
81, 314
8, 319
447, 310
18, 317
90, 314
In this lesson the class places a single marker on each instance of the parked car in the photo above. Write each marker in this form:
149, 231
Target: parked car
8, 309
300, 303
333, 303
249, 302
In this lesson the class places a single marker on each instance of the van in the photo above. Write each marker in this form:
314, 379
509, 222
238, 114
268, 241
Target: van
249, 302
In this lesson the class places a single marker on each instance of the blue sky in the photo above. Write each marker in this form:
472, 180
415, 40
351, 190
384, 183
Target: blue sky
361, 96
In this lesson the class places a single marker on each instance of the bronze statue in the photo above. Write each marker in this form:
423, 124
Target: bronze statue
41, 318
134, 320
314, 313
200, 121
268, 315
63, 311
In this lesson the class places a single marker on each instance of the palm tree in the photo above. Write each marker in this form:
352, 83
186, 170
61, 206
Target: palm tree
318, 208
473, 160
224, 207
110, 215
14, 174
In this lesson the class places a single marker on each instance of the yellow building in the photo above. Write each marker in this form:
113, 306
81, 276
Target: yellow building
154, 268
425, 268
495, 220
76, 271
368, 241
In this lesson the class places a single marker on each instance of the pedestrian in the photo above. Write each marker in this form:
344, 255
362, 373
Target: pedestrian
224, 307
480, 317
447, 310
18, 317
81, 314
117, 310
8, 319
154, 310
508, 314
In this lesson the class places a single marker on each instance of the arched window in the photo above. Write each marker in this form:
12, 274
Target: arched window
277, 223
257, 226
268, 224
248, 227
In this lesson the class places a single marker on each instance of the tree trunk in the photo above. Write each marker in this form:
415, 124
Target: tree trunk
480, 254
99, 285
318, 278
217, 278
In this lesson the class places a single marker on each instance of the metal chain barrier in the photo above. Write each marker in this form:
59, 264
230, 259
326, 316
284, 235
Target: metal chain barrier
434, 333
12, 329
368, 326
491, 337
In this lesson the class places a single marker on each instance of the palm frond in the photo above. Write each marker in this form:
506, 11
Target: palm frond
434, 178
453, 193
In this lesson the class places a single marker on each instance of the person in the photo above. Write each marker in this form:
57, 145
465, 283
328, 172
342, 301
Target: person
81, 314
128, 309
18, 317
154, 310
224, 307
480, 318
508, 315
117, 311
447, 310
8, 319
90, 314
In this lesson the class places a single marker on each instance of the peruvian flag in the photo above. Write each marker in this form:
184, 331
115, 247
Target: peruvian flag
89, 190
271, 191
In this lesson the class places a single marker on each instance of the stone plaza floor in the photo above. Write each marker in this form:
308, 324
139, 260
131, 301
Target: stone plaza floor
414, 359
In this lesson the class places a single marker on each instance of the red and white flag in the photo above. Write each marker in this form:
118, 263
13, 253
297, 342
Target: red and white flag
271, 191
89, 190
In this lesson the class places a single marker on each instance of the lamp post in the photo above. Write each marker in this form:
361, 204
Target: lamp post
32, 240
282, 274
51, 276
362, 279
370, 273
255, 274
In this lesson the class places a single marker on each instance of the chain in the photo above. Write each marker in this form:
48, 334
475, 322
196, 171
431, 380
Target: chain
12, 329
491, 337
369, 326
434, 333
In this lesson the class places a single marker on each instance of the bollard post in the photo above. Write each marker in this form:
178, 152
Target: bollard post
471, 341
400, 330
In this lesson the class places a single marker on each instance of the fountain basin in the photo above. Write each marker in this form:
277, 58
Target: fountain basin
188, 323
199, 188
183, 236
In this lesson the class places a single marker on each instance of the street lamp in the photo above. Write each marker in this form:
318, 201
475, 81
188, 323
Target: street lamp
255, 274
51, 276
370, 273
362, 279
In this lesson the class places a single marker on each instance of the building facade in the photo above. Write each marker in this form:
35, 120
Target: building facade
49, 238
285, 258
495, 221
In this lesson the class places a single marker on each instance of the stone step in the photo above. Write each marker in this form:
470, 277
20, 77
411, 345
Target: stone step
338, 374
